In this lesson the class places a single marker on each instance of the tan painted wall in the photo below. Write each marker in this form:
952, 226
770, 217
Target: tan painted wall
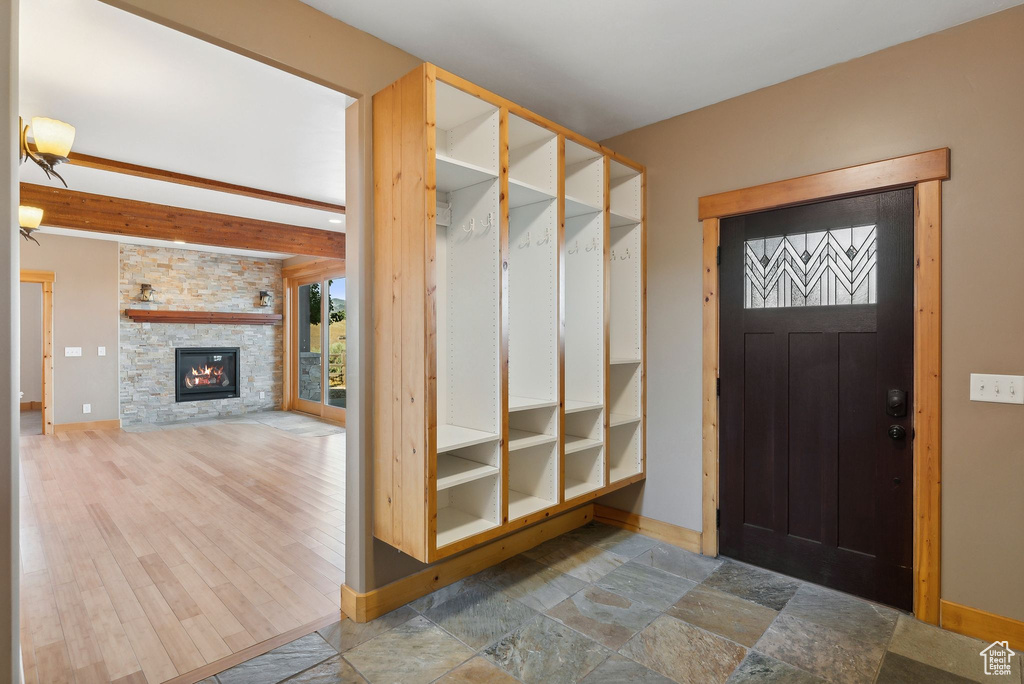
963, 88
31, 342
84, 315
295, 37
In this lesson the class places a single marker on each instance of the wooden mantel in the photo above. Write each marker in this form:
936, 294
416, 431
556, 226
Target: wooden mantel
223, 317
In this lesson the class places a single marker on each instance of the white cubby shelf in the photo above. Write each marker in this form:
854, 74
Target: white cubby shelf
509, 314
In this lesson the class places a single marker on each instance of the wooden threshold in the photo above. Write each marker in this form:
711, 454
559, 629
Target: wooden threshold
64, 208
226, 663
223, 317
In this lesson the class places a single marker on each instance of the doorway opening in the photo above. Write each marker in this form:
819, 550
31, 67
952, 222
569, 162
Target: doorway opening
924, 173
180, 521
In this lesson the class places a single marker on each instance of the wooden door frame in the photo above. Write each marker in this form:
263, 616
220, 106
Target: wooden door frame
46, 279
316, 270
924, 172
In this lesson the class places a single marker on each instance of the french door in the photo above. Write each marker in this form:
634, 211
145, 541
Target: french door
318, 358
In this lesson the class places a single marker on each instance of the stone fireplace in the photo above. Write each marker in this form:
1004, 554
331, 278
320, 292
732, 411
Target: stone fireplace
151, 379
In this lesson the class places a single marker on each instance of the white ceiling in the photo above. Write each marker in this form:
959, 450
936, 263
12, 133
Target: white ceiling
142, 93
603, 67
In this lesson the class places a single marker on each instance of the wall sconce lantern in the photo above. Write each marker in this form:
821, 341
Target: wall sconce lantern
52, 139
29, 219
264, 298
146, 294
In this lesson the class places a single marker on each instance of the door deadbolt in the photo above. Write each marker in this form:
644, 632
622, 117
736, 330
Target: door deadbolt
897, 432
896, 403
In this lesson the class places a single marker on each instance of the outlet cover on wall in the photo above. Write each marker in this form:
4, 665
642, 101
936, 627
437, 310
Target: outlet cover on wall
72, 351
101, 351
1000, 389
86, 408
263, 395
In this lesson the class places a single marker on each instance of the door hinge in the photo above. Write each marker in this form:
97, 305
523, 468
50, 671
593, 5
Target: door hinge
718, 518
718, 256
718, 387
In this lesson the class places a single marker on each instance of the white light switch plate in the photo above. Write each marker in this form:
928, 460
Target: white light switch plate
1000, 389
101, 351
86, 408
72, 351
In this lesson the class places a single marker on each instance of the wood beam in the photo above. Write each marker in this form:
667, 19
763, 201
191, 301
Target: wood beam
64, 208
112, 165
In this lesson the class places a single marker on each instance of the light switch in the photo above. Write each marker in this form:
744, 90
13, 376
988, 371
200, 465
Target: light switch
86, 408
72, 351
1000, 389
101, 351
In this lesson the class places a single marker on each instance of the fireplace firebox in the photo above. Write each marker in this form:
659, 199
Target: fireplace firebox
203, 373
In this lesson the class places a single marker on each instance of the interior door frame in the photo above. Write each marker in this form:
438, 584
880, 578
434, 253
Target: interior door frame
293, 277
46, 279
924, 172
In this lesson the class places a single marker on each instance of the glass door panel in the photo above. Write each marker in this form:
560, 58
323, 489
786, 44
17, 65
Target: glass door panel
310, 344
337, 345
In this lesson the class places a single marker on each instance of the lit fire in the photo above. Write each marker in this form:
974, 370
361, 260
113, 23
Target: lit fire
206, 376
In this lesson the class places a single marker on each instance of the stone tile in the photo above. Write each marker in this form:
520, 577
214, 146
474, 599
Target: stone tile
413, 653
754, 584
333, 671
544, 650
478, 616
531, 583
281, 663
651, 586
614, 539
897, 669
683, 652
679, 562
479, 670
762, 669
821, 650
436, 598
348, 634
621, 670
588, 563
607, 618
544, 549
942, 649
849, 615
724, 614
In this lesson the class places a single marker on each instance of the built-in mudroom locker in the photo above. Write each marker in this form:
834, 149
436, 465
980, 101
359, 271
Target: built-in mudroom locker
509, 316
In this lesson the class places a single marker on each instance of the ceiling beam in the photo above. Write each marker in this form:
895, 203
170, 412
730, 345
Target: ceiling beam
113, 215
100, 163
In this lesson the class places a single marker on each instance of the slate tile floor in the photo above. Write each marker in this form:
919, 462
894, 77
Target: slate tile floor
603, 605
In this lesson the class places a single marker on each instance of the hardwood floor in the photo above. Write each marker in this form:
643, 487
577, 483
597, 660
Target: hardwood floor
147, 555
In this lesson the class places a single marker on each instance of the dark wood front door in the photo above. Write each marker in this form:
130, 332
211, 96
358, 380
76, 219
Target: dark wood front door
816, 457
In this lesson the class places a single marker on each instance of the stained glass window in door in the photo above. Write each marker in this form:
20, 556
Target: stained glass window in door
824, 268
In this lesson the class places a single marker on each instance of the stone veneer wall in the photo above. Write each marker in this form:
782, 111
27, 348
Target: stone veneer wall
190, 280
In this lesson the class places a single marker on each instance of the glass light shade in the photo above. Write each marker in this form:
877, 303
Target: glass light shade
52, 136
29, 217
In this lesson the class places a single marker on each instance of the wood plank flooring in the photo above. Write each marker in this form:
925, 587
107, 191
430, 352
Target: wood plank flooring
147, 555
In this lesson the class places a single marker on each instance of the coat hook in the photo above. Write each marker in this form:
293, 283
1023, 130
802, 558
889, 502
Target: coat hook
576, 249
